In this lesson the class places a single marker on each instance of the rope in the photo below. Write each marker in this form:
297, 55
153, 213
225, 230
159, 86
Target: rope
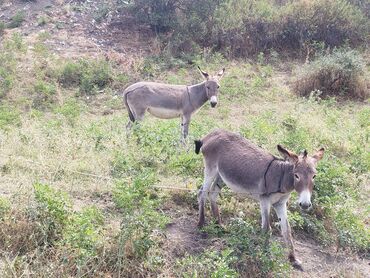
101, 177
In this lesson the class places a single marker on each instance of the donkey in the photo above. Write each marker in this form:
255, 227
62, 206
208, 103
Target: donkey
170, 101
246, 168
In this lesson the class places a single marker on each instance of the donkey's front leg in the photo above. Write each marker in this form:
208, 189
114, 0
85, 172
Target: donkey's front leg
185, 120
281, 211
265, 213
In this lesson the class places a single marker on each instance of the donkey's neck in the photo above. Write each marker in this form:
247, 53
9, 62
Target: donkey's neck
197, 95
280, 177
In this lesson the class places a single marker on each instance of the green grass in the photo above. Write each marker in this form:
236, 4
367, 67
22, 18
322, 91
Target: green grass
111, 218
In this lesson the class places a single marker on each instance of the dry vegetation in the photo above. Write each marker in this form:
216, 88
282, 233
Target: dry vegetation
78, 199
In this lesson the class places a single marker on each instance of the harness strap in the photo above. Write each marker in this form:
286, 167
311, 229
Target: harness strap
191, 104
264, 176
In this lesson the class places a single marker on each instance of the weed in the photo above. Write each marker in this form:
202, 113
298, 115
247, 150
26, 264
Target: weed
52, 211
44, 94
70, 109
339, 74
254, 251
2, 27
83, 233
4, 207
42, 20
209, 264
8, 116
16, 20
90, 76
139, 217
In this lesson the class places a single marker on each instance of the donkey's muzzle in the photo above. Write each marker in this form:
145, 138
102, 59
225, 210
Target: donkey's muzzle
213, 101
305, 205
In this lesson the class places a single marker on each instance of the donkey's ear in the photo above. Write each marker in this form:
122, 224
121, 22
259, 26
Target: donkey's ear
220, 74
318, 155
205, 74
303, 154
288, 155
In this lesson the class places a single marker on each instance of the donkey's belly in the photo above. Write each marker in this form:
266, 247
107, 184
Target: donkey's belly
164, 113
244, 190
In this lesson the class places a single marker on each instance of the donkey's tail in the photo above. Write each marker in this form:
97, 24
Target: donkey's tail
198, 145
130, 114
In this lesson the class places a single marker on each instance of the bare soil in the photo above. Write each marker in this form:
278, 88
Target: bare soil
184, 237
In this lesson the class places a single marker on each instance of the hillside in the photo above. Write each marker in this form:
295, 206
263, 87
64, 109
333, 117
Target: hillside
79, 197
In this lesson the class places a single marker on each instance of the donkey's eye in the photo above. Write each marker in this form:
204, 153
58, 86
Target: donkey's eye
218, 87
296, 176
314, 176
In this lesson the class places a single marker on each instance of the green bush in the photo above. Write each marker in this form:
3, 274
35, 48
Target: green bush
83, 233
160, 15
352, 231
16, 20
44, 93
8, 116
71, 110
4, 207
209, 264
90, 76
2, 27
339, 74
255, 253
140, 218
52, 212
244, 28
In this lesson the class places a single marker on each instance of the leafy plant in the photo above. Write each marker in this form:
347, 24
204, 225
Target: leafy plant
83, 233
52, 211
209, 264
16, 20
339, 74
8, 116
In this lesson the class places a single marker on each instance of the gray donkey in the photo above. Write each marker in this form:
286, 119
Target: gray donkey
248, 169
168, 101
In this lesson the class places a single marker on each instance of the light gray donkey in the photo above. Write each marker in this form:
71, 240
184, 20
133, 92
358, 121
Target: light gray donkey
246, 168
168, 101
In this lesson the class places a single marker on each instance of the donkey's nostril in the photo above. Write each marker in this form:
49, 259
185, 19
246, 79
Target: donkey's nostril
305, 206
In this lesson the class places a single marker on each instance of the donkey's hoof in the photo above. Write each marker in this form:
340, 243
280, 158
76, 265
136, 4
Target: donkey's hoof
297, 265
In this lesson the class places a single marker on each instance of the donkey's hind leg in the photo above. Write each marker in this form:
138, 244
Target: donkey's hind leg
213, 195
209, 177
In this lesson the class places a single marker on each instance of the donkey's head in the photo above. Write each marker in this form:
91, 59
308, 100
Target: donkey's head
304, 170
212, 86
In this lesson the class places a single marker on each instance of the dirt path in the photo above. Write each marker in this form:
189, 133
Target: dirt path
184, 237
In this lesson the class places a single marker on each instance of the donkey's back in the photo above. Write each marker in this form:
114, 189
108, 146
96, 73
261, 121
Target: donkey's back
239, 162
155, 88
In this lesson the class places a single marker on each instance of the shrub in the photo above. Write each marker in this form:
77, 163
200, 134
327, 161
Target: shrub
82, 234
139, 216
16, 20
160, 15
90, 76
71, 110
8, 116
70, 74
4, 207
2, 27
339, 74
44, 93
52, 211
254, 251
244, 28
209, 264
352, 232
